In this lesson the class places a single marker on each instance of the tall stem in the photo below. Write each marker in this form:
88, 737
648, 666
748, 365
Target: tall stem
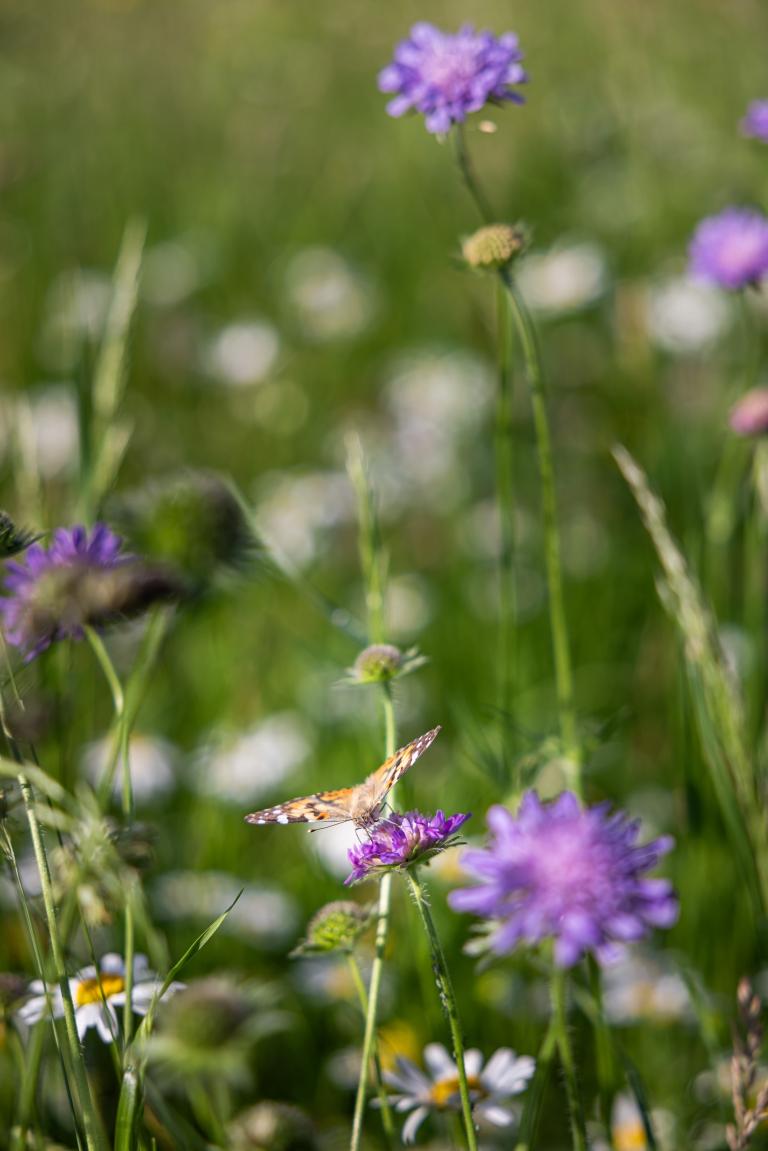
560, 1017
386, 1111
382, 931
122, 721
470, 179
448, 1000
505, 504
94, 1136
559, 628
527, 336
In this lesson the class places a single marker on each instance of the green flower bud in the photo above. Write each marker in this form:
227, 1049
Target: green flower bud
494, 246
378, 663
335, 927
194, 522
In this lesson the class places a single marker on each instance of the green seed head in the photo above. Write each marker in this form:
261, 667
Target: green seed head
494, 246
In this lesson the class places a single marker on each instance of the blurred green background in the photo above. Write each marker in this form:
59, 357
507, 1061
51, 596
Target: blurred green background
301, 282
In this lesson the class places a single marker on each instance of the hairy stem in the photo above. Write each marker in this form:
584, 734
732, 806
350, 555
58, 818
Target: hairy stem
565, 1051
447, 999
382, 931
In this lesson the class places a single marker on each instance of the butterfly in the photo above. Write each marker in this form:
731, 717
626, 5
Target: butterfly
360, 805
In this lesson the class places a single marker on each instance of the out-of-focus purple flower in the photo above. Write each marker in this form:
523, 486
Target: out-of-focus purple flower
571, 874
755, 122
445, 76
749, 415
401, 840
730, 249
42, 601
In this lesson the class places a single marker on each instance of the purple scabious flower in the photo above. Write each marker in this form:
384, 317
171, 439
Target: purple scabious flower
43, 601
755, 122
446, 76
399, 841
567, 873
730, 249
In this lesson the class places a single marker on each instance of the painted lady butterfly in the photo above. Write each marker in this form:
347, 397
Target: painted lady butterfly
361, 805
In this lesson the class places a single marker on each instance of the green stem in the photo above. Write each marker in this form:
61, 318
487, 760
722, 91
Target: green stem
560, 1018
386, 1111
122, 721
447, 998
535, 1095
558, 624
382, 931
603, 1048
468, 176
94, 1136
506, 509
527, 336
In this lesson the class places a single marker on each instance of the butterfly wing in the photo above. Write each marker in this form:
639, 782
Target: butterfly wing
383, 779
361, 803
322, 807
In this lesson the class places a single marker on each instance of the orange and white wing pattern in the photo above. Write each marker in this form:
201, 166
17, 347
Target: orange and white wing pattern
384, 778
360, 804
322, 807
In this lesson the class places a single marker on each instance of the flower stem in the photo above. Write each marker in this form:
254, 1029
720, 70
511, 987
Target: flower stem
468, 176
560, 1019
505, 505
123, 724
532, 357
447, 999
558, 624
382, 931
94, 1136
386, 1111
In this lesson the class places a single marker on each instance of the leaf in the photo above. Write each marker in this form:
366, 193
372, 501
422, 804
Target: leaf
717, 703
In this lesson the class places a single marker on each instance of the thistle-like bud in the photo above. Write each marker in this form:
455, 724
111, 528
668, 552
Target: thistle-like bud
335, 927
382, 662
194, 522
272, 1127
378, 663
494, 246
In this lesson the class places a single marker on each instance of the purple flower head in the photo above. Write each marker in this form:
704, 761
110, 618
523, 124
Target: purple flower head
749, 415
567, 873
755, 123
446, 76
401, 840
731, 249
43, 600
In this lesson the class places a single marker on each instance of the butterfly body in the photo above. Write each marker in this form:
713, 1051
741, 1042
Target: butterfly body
361, 805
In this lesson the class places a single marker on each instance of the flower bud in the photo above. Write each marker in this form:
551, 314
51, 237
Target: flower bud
378, 663
194, 522
12, 539
494, 246
335, 927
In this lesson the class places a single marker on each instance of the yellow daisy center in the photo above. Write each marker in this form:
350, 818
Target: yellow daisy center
630, 1136
445, 1090
94, 990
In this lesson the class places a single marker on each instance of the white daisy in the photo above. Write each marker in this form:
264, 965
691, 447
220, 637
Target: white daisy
97, 995
490, 1086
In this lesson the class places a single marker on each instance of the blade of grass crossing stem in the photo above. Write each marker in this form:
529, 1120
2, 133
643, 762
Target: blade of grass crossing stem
131, 1090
